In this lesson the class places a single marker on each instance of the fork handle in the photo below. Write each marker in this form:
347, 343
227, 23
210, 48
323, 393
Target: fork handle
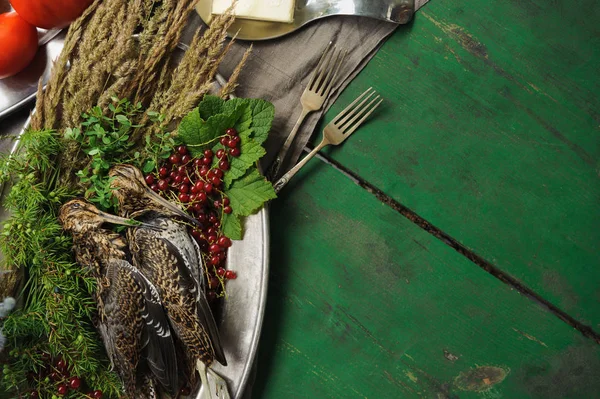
276, 166
286, 178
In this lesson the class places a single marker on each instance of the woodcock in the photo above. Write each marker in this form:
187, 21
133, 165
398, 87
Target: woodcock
132, 321
164, 250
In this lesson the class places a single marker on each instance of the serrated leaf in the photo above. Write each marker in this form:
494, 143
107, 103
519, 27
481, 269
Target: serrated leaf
245, 120
249, 193
250, 152
232, 226
263, 113
199, 135
210, 105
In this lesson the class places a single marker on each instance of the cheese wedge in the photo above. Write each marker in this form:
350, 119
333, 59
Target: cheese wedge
264, 10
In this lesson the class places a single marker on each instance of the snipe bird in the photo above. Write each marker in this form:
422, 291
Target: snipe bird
170, 257
132, 321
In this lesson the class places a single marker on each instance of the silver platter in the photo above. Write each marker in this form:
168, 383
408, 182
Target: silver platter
243, 310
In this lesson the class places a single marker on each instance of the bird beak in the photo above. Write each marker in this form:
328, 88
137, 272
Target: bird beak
108, 218
172, 208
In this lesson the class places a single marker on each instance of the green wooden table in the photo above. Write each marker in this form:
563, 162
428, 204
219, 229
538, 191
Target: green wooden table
451, 247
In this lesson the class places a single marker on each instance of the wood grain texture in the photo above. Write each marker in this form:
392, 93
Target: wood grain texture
491, 132
364, 304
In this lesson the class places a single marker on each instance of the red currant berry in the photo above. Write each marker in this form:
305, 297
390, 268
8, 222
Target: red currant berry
225, 201
197, 162
62, 389
223, 165
218, 173
162, 185
214, 260
97, 394
220, 153
213, 283
74, 382
208, 153
61, 365
221, 272
184, 188
234, 152
184, 198
212, 238
203, 171
224, 140
208, 188
206, 161
185, 391
215, 181
175, 159
212, 219
231, 132
154, 188
197, 208
199, 185
34, 395
211, 296
186, 180
217, 204
230, 275
224, 242
182, 170
235, 140
202, 218
186, 159
182, 150
211, 231
173, 174
178, 179
163, 171
149, 179
227, 209
215, 248
201, 197
231, 143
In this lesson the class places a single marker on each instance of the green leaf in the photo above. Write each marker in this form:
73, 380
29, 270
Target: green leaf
232, 226
263, 113
250, 152
210, 105
199, 135
245, 120
249, 193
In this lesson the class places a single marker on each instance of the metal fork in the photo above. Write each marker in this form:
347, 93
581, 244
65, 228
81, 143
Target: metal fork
339, 129
313, 97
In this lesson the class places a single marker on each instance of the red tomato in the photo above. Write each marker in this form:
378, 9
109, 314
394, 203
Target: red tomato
50, 14
18, 44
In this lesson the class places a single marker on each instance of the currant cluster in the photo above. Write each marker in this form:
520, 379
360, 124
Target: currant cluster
197, 183
57, 372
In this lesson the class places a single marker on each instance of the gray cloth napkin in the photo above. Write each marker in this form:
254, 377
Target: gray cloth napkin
278, 70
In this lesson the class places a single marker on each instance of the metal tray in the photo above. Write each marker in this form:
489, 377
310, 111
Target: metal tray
243, 310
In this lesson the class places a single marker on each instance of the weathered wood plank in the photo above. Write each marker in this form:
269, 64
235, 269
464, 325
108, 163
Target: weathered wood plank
362, 303
491, 133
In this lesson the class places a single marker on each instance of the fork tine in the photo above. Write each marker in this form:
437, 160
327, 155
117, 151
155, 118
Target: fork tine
351, 110
318, 67
333, 72
325, 68
357, 124
349, 107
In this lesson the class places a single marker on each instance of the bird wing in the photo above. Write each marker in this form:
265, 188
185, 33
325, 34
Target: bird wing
159, 348
121, 326
177, 287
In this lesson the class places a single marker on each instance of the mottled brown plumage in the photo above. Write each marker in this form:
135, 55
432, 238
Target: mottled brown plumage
131, 317
171, 259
